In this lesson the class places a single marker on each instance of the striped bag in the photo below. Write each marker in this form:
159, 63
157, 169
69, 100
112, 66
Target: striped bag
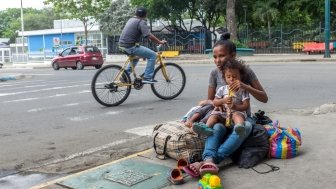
284, 142
177, 141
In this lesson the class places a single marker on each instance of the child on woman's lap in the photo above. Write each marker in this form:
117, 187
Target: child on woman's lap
226, 106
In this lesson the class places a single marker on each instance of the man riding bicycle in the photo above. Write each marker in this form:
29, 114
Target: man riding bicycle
129, 42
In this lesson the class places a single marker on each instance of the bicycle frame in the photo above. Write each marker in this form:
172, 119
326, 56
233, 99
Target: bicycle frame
130, 60
113, 93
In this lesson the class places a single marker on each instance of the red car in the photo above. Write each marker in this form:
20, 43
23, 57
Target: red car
78, 57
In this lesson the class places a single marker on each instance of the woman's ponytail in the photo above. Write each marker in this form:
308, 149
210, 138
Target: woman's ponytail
225, 36
224, 40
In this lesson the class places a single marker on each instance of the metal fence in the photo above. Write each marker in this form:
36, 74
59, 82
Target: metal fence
19, 58
187, 42
5, 55
282, 39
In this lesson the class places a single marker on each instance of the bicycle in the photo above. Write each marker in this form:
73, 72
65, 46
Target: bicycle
111, 85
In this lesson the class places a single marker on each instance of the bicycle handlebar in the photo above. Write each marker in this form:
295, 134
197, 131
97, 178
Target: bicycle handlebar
159, 46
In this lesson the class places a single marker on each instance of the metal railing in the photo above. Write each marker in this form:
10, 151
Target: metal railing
282, 40
187, 42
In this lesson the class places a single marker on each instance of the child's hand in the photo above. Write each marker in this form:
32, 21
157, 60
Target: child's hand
229, 102
188, 123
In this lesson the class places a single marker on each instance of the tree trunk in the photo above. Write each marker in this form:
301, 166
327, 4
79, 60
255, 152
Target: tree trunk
231, 19
85, 23
86, 33
269, 30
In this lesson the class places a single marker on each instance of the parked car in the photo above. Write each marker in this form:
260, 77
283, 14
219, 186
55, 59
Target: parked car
78, 57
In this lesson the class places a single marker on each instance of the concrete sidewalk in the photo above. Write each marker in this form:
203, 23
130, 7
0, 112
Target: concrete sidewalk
314, 167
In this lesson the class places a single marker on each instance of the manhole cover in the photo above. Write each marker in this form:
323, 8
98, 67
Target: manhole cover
127, 177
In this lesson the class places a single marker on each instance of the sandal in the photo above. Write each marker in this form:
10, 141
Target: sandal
202, 129
182, 163
193, 169
175, 176
208, 168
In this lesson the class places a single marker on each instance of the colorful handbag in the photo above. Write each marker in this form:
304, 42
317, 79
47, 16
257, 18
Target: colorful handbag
284, 142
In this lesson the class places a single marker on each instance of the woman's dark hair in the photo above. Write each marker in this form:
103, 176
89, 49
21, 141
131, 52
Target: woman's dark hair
234, 64
141, 12
224, 41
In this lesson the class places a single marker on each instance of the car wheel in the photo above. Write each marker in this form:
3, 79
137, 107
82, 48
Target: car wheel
98, 66
55, 66
73, 68
79, 65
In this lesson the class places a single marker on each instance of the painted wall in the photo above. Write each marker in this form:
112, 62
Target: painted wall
35, 43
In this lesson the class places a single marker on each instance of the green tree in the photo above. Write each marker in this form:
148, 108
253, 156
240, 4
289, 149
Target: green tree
84, 10
10, 21
266, 12
40, 19
113, 19
207, 12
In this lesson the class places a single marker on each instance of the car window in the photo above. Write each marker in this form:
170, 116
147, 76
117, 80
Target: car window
92, 49
74, 50
66, 52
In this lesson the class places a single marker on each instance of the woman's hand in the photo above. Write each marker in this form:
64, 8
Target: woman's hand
236, 85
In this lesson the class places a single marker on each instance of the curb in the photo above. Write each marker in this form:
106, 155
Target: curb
54, 181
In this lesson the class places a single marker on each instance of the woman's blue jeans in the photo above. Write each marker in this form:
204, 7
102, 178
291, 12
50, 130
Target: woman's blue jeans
218, 150
143, 52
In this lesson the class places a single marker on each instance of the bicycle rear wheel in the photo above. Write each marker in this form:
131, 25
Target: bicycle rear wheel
107, 91
171, 88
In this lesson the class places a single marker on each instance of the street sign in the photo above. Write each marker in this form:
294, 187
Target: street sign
56, 41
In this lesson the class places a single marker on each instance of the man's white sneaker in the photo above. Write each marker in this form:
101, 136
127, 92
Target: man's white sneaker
149, 81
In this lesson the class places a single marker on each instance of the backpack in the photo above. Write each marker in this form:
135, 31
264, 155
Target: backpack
254, 149
260, 118
175, 140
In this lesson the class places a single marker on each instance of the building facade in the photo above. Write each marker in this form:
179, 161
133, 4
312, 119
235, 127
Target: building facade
45, 44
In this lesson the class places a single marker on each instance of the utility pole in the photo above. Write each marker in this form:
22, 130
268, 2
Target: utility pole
327, 29
246, 27
22, 28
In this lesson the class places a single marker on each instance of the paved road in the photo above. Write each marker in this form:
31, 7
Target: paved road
51, 116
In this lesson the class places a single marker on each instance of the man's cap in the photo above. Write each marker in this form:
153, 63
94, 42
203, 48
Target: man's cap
141, 12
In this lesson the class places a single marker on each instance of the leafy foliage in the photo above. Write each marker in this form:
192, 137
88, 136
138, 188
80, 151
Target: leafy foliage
10, 21
83, 10
208, 12
113, 19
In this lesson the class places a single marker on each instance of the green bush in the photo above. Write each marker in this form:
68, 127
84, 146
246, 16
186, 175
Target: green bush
240, 44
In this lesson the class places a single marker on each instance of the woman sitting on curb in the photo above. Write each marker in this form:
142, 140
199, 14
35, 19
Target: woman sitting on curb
215, 149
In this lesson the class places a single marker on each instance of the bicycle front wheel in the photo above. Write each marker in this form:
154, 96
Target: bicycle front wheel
171, 87
106, 90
